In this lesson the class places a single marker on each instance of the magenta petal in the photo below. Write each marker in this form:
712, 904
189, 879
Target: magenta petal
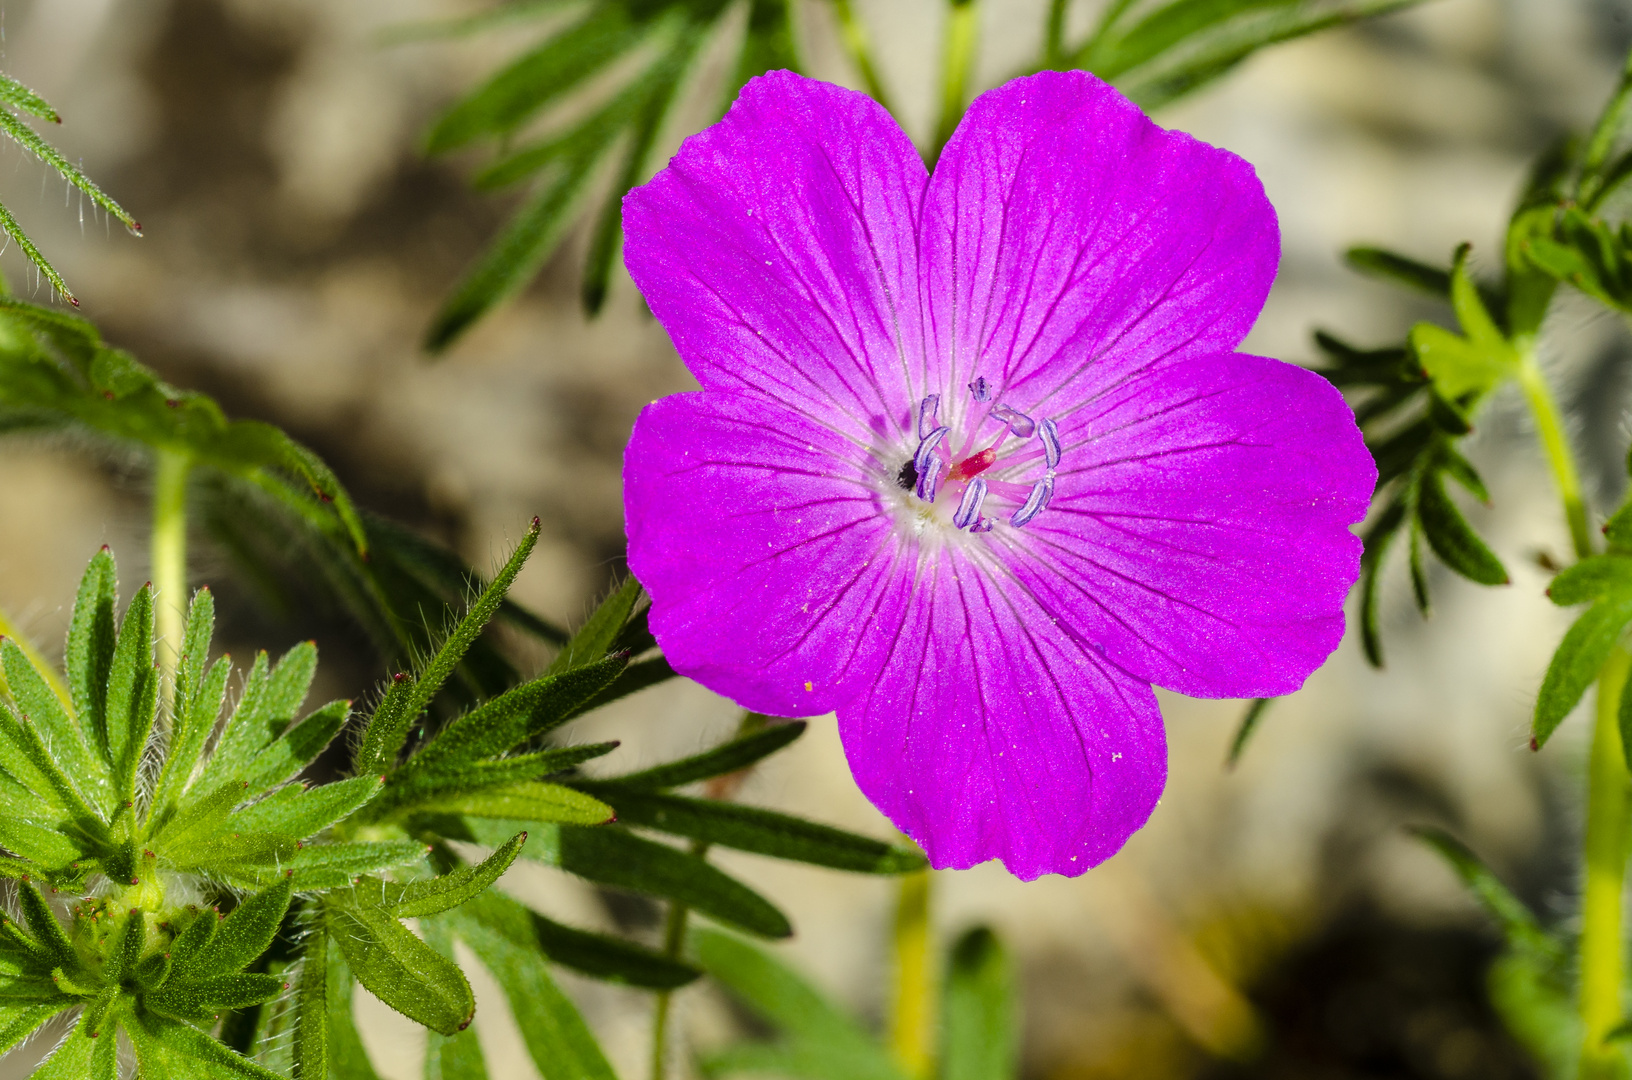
1200, 525
994, 733
779, 250
1066, 234
763, 548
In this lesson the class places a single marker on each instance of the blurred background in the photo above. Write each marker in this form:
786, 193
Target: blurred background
1273, 920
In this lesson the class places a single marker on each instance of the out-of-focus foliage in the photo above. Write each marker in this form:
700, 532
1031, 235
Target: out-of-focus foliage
635, 58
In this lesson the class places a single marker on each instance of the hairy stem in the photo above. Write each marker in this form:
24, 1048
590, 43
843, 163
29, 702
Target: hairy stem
912, 1022
1601, 947
169, 557
860, 49
1555, 442
48, 672
962, 20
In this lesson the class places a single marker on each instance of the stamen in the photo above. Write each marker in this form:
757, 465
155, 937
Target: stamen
969, 508
929, 479
982, 525
1050, 434
1040, 495
1019, 423
926, 449
981, 389
928, 412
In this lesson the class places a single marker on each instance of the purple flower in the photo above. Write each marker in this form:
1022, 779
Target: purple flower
974, 463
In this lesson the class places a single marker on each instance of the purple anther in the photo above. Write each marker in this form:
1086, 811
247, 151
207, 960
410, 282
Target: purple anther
981, 388
1019, 423
1051, 443
926, 449
929, 479
1041, 493
969, 508
981, 525
928, 415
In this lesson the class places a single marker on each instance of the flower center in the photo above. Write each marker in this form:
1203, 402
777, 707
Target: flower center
940, 465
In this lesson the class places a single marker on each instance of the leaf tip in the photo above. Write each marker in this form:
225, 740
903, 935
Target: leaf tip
1535, 744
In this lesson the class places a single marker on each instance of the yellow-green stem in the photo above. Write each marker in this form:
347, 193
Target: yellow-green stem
1602, 950
1555, 443
674, 935
860, 48
912, 1022
8, 629
962, 21
169, 558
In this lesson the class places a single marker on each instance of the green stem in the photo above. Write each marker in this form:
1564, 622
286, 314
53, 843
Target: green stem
1054, 34
962, 22
47, 671
169, 558
912, 1022
859, 46
674, 933
1555, 442
1602, 950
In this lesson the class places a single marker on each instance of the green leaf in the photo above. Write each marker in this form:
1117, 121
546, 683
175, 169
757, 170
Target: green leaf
23, 99
450, 1057
1592, 579
518, 252
334, 866
528, 84
240, 938
237, 991
49, 155
348, 1060
1538, 1009
1516, 922
665, 76
398, 968
498, 930
819, 1036
76, 1059
18, 1022
1249, 724
1458, 366
388, 728
1575, 665
729, 757
311, 1057
304, 814
601, 631
183, 1051
187, 746
618, 858
1165, 28
530, 802
979, 1040
610, 959
1377, 539
1179, 71
271, 700
518, 716
747, 828
1380, 263
432, 896
1452, 538
49, 935
456, 781
133, 688
60, 732
297, 748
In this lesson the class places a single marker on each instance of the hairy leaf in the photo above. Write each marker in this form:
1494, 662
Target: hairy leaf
1576, 663
398, 968
729, 757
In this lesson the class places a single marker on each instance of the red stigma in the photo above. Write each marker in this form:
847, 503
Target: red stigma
974, 464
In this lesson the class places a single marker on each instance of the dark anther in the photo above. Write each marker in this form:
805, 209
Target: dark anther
907, 478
